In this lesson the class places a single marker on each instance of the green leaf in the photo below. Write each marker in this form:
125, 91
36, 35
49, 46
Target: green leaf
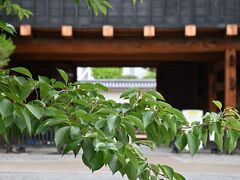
97, 161
131, 171
114, 165
101, 123
231, 140
71, 146
113, 122
61, 135
217, 127
167, 171
54, 121
6, 108
193, 143
130, 130
64, 75
203, 135
178, 176
218, 104
3, 130
88, 150
23, 71
128, 92
156, 95
142, 166
235, 123
136, 121
177, 113
165, 134
147, 118
218, 138
152, 177
171, 123
155, 168
181, 141
74, 132
153, 133
145, 143
101, 87
27, 120
35, 110
41, 129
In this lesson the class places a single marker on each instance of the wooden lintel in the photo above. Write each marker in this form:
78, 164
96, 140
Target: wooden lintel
230, 78
118, 60
123, 46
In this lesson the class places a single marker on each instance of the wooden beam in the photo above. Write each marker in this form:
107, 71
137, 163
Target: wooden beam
116, 58
149, 31
125, 46
25, 30
190, 30
67, 31
232, 30
230, 78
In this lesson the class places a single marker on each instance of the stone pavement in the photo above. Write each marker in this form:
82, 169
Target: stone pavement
45, 164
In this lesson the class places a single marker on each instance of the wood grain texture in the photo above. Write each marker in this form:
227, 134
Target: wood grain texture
230, 78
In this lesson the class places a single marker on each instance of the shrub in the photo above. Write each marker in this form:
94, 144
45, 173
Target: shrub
106, 73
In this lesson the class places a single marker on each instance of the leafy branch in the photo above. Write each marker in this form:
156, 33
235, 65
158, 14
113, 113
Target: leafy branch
104, 129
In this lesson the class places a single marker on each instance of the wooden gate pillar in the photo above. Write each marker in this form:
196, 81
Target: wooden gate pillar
211, 91
230, 78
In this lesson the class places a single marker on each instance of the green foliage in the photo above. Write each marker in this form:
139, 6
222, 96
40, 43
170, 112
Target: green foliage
12, 8
106, 73
101, 6
6, 45
6, 49
150, 75
84, 119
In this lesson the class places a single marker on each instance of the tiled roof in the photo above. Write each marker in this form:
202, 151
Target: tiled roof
125, 84
161, 13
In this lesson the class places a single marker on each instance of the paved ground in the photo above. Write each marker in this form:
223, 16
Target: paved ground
45, 164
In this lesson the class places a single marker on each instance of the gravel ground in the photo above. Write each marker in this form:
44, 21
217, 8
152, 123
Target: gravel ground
45, 163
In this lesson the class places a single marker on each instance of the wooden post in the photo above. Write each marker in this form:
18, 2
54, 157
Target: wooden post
211, 91
230, 78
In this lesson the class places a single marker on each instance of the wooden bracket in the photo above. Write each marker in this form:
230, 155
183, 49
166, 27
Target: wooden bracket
149, 31
67, 31
25, 30
232, 30
190, 30
108, 31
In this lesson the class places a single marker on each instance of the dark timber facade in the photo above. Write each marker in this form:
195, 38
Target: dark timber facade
192, 71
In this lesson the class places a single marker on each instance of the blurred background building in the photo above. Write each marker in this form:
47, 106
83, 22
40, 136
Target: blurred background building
193, 44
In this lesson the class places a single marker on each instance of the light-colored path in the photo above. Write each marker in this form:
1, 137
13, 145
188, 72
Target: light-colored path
42, 164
